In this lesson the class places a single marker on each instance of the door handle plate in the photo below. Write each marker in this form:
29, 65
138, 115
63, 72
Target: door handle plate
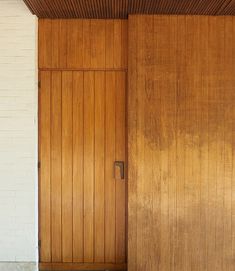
119, 170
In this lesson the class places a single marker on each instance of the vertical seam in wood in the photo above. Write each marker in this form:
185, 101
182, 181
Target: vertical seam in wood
136, 143
39, 158
184, 138
61, 168
115, 158
105, 47
126, 169
207, 126
114, 64
104, 140
122, 51
224, 157
199, 119
175, 129
83, 169
66, 28
104, 166
216, 170
115, 182
90, 41
72, 85
50, 166
232, 167
94, 165
50, 44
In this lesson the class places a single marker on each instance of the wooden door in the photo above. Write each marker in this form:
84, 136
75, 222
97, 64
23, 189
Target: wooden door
82, 205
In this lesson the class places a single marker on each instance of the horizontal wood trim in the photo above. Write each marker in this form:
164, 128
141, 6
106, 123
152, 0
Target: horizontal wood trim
83, 266
84, 69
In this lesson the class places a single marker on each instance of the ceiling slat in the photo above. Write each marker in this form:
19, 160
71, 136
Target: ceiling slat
120, 9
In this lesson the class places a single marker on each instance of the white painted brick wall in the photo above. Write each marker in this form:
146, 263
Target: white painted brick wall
18, 132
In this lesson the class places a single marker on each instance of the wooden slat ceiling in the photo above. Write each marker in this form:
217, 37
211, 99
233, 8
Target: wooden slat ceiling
121, 8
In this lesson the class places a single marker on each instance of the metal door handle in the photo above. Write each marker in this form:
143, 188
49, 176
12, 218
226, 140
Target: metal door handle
119, 170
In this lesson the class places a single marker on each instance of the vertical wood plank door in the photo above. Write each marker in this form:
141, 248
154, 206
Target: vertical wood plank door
82, 205
181, 139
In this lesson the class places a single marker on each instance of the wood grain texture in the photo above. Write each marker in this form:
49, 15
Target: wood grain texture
110, 186
56, 171
46, 43
99, 191
181, 123
78, 163
105, 9
45, 171
67, 166
82, 44
82, 132
89, 139
121, 184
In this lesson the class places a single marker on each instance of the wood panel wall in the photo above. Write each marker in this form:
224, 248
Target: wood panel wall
181, 130
82, 44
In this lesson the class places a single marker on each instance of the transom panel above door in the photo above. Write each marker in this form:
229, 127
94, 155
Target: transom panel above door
82, 134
